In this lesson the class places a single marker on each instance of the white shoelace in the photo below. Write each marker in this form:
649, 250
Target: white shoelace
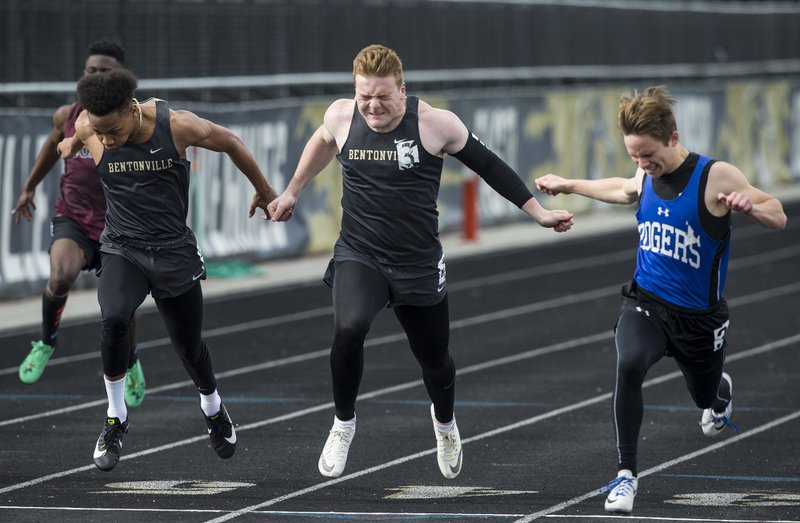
448, 444
339, 442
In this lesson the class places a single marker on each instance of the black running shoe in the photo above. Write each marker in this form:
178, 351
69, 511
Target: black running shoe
109, 444
222, 433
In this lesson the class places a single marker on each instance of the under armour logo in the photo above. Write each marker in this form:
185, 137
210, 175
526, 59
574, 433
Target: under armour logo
663, 212
643, 311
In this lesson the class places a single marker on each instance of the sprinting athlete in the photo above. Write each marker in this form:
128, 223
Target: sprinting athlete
674, 304
391, 149
147, 247
79, 220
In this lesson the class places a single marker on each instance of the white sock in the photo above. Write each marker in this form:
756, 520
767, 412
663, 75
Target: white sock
210, 403
444, 427
349, 424
115, 390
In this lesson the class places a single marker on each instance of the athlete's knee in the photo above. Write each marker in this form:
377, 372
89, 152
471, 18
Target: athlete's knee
114, 345
115, 327
347, 353
442, 373
66, 262
60, 282
350, 334
630, 370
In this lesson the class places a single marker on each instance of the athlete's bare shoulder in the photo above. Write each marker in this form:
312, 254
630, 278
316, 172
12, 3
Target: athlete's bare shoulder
340, 113
336, 123
189, 129
441, 130
61, 116
182, 117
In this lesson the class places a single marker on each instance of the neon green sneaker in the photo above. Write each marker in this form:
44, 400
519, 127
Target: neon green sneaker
134, 385
33, 366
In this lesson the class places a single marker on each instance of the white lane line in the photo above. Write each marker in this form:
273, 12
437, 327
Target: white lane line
507, 277
535, 419
656, 518
293, 513
210, 333
113, 509
323, 407
326, 406
380, 392
455, 324
544, 350
323, 353
665, 465
42, 479
474, 368
389, 515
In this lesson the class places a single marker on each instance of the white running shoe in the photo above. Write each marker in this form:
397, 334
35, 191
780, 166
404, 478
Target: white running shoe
449, 452
621, 491
713, 421
334, 453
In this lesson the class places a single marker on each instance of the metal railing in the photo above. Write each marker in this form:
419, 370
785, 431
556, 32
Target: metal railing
271, 87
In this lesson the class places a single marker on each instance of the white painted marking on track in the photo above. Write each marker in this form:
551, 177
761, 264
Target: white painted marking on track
474, 368
786, 289
382, 515
736, 499
443, 492
112, 509
658, 468
617, 517
292, 513
178, 487
790, 341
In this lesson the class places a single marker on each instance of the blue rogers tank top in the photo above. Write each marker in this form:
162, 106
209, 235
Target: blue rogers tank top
677, 260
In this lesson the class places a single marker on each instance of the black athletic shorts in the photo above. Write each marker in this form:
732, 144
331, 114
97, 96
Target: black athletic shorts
695, 338
65, 227
171, 269
420, 285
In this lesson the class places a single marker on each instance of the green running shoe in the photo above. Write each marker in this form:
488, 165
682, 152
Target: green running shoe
33, 366
134, 385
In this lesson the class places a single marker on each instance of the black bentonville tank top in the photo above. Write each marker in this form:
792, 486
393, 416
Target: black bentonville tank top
146, 187
390, 188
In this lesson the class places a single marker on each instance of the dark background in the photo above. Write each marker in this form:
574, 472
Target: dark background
46, 40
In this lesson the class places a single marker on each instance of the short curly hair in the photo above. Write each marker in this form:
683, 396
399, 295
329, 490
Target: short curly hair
379, 61
107, 47
103, 93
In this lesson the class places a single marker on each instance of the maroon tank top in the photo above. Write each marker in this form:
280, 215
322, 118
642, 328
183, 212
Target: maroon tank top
81, 196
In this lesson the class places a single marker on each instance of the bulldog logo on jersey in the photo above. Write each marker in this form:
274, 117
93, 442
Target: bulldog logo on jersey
407, 154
